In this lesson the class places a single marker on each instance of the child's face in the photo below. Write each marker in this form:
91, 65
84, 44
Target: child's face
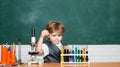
55, 38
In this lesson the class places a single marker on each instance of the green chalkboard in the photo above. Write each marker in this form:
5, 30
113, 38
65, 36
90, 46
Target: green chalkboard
86, 21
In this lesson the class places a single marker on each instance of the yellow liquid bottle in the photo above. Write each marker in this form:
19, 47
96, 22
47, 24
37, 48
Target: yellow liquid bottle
62, 57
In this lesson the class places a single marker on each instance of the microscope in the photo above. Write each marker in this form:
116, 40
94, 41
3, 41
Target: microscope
34, 57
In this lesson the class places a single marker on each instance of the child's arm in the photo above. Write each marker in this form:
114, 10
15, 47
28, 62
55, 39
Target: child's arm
40, 41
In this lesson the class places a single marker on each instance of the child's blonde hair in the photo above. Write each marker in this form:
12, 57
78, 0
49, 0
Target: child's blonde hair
54, 26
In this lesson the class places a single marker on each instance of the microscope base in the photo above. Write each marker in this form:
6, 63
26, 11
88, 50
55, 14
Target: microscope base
35, 62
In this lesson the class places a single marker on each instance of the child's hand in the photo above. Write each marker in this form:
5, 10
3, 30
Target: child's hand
44, 33
39, 49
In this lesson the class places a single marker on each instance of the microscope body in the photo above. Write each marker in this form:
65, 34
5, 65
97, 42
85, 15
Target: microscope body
32, 52
34, 55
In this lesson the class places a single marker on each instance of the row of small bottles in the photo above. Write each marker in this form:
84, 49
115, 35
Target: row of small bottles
74, 54
8, 54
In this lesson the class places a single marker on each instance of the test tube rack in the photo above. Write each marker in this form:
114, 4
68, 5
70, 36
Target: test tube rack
75, 54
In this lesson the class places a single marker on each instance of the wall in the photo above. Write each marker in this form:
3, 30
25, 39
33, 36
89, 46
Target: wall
104, 53
97, 53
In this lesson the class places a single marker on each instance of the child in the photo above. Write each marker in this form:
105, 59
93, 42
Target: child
51, 47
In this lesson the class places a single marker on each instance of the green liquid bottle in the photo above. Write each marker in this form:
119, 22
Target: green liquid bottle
79, 59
